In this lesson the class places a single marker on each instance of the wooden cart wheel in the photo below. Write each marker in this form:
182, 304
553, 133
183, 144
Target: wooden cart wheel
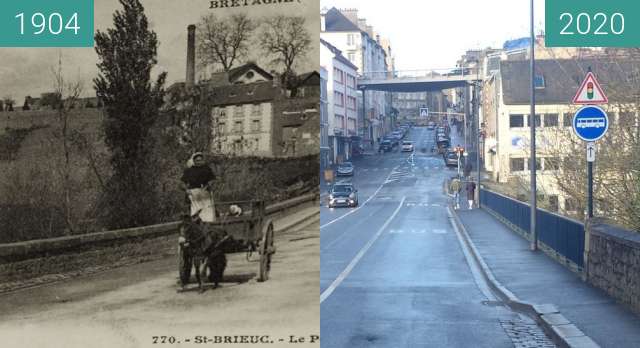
184, 266
267, 248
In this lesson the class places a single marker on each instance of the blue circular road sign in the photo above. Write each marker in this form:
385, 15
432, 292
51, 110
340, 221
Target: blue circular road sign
590, 123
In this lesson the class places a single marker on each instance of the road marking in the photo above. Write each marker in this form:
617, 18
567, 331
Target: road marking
328, 291
395, 231
356, 208
439, 231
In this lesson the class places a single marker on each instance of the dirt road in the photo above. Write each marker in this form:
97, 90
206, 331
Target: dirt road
138, 306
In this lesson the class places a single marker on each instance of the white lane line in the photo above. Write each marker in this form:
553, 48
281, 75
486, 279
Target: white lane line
328, 291
358, 207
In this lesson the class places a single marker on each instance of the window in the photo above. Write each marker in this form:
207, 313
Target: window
256, 110
516, 164
223, 114
538, 121
338, 76
626, 119
351, 81
538, 81
551, 163
249, 74
538, 163
255, 125
551, 120
516, 121
339, 121
567, 119
553, 203
239, 111
351, 39
570, 204
222, 128
352, 57
238, 127
351, 103
339, 98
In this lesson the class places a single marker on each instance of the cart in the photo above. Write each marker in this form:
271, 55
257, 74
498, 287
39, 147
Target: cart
250, 232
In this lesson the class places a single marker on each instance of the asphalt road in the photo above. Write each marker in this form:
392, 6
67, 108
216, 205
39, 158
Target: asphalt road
393, 272
139, 306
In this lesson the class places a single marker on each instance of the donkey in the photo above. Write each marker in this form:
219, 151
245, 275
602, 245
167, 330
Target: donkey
203, 249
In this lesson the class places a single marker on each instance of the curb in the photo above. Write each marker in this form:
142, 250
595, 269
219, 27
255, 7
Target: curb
554, 324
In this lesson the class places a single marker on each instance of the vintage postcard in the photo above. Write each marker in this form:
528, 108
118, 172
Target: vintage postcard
159, 169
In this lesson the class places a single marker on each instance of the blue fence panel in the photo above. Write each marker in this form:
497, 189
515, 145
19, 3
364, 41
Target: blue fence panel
559, 233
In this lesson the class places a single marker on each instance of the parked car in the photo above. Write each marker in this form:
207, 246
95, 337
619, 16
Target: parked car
407, 146
343, 195
451, 159
385, 146
345, 169
431, 125
394, 140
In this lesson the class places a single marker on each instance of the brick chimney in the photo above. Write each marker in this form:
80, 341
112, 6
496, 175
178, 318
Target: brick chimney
191, 55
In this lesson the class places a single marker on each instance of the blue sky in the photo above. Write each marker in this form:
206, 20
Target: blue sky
430, 34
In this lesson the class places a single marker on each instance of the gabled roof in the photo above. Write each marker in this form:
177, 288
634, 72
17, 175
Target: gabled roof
241, 70
338, 54
310, 79
562, 78
336, 21
225, 78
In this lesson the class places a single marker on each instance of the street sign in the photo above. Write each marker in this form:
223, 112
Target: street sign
590, 92
590, 123
591, 152
424, 112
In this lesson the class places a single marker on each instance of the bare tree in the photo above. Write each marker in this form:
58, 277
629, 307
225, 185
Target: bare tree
223, 41
287, 39
68, 94
617, 167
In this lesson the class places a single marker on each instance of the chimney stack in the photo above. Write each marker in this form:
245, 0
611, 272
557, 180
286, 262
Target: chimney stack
191, 55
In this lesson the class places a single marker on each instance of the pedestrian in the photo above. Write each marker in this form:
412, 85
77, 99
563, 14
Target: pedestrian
471, 193
456, 187
467, 169
197, 181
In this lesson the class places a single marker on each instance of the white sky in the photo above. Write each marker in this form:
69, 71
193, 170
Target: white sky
431, 34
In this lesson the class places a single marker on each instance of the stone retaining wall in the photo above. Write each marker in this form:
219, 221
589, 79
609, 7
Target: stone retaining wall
614, 263
27, 260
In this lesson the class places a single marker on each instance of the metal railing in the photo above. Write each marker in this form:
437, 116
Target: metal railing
561, 234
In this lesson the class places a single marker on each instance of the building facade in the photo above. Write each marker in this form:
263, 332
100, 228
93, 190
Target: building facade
506, 110
342, 105
324, 119
362, 46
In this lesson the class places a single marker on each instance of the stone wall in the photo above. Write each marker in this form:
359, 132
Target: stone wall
30, 263
25, 260
614, 263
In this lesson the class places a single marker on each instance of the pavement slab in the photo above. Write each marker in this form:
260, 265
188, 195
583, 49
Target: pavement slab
536, 278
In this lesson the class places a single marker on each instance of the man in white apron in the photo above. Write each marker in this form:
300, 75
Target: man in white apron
198, 179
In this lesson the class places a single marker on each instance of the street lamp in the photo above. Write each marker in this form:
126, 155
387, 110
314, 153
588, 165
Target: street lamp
532, 142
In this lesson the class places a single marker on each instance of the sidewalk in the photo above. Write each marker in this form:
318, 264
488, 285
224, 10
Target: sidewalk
534, 277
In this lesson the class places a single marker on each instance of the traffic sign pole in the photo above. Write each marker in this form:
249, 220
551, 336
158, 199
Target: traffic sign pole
590, 189
590, 123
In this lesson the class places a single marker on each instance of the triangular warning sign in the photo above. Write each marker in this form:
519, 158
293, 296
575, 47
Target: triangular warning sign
590, 92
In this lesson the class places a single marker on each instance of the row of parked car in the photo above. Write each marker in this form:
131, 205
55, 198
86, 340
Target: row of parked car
393, 139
